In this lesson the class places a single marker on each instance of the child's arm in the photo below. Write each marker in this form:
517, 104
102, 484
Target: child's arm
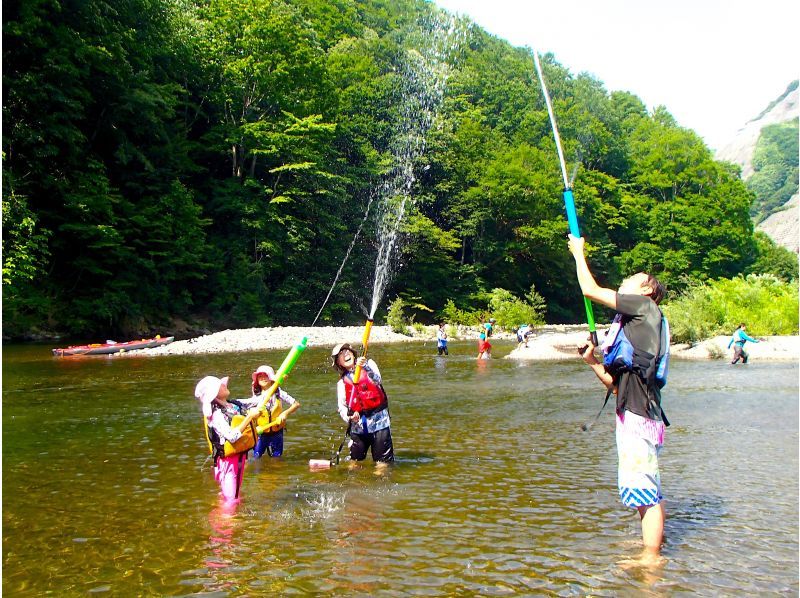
293, 403
251, 401
223, 428
369, 366
341, 400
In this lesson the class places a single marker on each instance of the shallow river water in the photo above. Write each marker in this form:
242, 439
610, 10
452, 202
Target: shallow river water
496, 491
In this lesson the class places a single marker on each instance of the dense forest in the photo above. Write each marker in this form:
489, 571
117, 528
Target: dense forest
209, 162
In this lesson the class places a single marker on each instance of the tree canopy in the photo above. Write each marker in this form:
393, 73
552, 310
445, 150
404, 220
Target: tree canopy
212, 161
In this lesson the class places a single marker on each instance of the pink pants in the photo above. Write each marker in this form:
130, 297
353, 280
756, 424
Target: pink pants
228, 473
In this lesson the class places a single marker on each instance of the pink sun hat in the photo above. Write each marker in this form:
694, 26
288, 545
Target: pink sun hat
264, 369
207, 390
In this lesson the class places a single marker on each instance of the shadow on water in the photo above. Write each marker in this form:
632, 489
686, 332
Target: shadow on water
691, 516
403, 458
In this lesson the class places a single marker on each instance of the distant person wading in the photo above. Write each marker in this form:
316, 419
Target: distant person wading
738, 339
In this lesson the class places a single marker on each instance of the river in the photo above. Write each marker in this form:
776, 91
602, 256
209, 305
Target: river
496, 491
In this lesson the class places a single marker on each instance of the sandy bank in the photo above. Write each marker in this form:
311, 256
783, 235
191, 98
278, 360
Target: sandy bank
550, 346
550, 343
782, 348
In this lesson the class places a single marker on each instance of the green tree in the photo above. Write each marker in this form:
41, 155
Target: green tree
775, 162
773, 259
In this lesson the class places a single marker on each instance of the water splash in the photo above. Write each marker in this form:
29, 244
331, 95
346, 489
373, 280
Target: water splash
424, 72
344, 261
549, 105
423, 76
324, 505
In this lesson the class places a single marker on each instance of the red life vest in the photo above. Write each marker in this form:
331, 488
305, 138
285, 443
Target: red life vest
366, 397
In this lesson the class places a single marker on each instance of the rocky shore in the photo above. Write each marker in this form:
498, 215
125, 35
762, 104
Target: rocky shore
554, 346
549, 343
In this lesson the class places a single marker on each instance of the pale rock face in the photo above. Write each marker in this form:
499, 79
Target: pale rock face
740, 150
782, 227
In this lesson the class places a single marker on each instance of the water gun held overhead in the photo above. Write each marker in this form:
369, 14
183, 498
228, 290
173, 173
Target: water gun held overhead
283, 371
569, 199
364, 344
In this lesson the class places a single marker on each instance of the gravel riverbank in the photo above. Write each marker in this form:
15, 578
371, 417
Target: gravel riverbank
551, 342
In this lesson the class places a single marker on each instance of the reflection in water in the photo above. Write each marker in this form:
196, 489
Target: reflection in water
647, 570
359, 537
495, 490
222, 522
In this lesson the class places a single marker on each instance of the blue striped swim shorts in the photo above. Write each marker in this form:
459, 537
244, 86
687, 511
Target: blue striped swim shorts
639, 443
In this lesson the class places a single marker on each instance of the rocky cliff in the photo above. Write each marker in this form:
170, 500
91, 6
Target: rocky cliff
782, 227
741, 148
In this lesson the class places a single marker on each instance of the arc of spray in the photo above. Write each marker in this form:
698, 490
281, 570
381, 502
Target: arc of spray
569, 200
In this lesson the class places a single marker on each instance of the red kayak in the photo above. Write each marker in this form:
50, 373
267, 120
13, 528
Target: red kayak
110, 347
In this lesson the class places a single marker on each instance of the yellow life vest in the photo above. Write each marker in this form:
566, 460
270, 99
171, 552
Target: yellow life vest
245, 442
270, 414
247, 439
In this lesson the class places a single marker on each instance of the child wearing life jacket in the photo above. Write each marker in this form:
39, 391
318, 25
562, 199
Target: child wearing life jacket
637, 380
363, 405
271, 440
218, 417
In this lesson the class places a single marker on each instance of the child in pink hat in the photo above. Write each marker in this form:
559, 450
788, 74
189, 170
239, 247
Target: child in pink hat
271, 440
218, 412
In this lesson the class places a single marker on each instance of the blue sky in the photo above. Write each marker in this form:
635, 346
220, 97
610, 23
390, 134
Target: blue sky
715, 64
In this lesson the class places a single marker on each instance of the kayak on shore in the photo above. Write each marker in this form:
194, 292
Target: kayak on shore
110, 347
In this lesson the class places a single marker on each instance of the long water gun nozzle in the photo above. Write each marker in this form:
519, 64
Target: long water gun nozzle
364, 345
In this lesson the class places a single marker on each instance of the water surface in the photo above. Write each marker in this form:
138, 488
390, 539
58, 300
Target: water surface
496, 491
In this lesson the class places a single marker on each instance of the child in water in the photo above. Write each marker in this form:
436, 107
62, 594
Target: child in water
218, 414
441, 340
271, 440
484, 347
363, 405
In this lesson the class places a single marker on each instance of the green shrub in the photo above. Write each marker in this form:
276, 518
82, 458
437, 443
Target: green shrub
767, 305
510, 311
454, 315
419, 327
771, 258
714, 352
395, 318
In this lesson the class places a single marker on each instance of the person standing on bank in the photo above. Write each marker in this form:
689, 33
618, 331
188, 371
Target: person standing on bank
640, 421
738, 340
363, 405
